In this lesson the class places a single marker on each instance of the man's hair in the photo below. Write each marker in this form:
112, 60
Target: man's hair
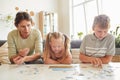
22, 16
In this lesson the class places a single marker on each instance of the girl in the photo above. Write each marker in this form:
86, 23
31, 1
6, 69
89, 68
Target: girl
57, 49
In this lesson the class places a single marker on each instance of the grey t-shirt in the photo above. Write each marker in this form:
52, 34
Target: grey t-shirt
92, 46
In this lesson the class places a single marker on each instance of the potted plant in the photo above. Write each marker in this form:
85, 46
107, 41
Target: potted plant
116, 33
117, 39
80, 34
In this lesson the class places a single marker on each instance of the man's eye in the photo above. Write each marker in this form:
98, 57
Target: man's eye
28, 25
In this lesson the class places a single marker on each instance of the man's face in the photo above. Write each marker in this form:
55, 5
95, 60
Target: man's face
24, 28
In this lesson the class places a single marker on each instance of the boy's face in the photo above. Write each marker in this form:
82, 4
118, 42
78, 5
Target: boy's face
99, 32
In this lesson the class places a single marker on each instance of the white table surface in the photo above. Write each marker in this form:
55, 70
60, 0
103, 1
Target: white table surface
81, 71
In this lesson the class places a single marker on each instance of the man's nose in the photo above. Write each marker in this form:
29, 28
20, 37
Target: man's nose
26, 28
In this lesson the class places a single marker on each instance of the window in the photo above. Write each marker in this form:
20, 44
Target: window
84, 11
112, 10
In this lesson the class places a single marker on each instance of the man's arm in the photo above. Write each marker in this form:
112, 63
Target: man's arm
32, 57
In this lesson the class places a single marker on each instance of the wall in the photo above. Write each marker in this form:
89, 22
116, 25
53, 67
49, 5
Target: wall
8, 7
64, 16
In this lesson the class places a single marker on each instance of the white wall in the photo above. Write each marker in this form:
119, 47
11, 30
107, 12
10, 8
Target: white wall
8, 6
64, 16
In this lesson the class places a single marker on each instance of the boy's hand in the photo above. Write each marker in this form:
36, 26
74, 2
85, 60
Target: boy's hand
97, 62
24, 52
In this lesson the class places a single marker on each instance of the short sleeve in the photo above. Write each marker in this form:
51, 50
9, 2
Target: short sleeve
11, 45
111, 46
38, 42
82, 47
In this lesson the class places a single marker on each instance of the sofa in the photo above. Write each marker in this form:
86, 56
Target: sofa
2, 42
4, 52
75, 45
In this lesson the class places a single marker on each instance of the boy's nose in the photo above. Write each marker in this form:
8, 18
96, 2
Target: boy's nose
102, 34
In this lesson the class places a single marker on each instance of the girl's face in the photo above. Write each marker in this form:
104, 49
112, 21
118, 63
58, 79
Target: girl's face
57, 46
24, 27
99, 32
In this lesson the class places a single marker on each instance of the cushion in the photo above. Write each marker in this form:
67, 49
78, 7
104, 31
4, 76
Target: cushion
2, 42
75, 56
75, 43
4, 54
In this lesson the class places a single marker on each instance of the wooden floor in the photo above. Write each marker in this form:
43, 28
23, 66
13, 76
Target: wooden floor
116, 58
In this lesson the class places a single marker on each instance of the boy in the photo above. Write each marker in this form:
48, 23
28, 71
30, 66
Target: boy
99, 47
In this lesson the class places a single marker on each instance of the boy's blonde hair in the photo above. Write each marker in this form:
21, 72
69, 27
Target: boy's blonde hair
102, 20
48, 52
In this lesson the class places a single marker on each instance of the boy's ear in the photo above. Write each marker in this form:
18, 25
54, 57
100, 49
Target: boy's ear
92, 28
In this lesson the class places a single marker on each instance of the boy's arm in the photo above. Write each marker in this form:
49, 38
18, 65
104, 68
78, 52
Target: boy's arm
92, 60
106, 59
84, 58
103, 60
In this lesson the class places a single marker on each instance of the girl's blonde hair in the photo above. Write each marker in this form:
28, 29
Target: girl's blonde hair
48, 52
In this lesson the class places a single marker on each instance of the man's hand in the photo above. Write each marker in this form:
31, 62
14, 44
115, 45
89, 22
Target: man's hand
18, 60
24, 52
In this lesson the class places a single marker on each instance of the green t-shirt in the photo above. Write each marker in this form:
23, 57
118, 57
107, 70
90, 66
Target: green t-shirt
33, 42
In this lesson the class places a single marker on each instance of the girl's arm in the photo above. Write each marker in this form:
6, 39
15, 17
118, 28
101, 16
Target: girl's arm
67, 60
51, 61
